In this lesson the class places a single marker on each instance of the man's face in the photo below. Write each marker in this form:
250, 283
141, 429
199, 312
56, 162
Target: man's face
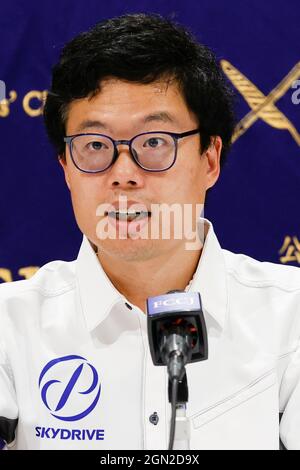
123, 110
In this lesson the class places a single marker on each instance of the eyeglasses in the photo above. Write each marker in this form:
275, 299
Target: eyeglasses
152, 151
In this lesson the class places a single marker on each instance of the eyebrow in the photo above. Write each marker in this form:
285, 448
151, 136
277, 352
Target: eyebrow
160, 116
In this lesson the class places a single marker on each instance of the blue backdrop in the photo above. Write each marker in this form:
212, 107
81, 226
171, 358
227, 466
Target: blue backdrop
255, 204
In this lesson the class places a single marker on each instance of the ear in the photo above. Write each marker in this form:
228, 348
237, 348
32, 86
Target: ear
213, 156
62, 160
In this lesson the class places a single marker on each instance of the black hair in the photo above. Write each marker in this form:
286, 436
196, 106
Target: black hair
141, 48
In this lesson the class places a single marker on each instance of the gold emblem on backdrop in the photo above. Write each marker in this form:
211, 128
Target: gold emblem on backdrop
5, 104
27, 104
262, 107
27, 272
290, 250
34, 94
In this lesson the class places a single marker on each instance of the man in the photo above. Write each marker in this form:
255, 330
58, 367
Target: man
141, 119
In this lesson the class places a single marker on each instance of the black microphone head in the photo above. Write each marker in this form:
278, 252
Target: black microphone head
174, 311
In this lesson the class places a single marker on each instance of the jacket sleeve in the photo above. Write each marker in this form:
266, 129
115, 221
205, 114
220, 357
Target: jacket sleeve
290, 403
8, 402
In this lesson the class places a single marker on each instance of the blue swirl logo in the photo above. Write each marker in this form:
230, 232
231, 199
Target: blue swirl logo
64, 391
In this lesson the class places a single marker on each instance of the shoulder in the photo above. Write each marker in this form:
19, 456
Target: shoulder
50, 280
253, 273
27, 306
267, 298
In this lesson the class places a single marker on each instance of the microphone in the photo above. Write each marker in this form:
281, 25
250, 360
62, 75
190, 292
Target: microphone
177, 336
176, 331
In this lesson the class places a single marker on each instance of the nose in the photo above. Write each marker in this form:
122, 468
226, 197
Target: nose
125, 172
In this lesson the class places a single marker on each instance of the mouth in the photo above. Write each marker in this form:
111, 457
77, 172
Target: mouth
128, 216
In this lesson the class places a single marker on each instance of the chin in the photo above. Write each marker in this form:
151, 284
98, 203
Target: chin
129, 250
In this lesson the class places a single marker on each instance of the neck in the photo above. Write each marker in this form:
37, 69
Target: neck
138, 280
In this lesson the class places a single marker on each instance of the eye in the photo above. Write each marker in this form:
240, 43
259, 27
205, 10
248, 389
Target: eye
96, 145
154, 142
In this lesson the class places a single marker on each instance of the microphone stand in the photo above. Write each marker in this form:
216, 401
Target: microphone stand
182, 428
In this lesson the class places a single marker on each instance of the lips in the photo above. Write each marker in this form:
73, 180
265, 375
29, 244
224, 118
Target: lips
127, 218
127, 211
128, 215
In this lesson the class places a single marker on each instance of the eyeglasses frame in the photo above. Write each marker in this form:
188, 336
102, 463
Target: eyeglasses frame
175, 135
